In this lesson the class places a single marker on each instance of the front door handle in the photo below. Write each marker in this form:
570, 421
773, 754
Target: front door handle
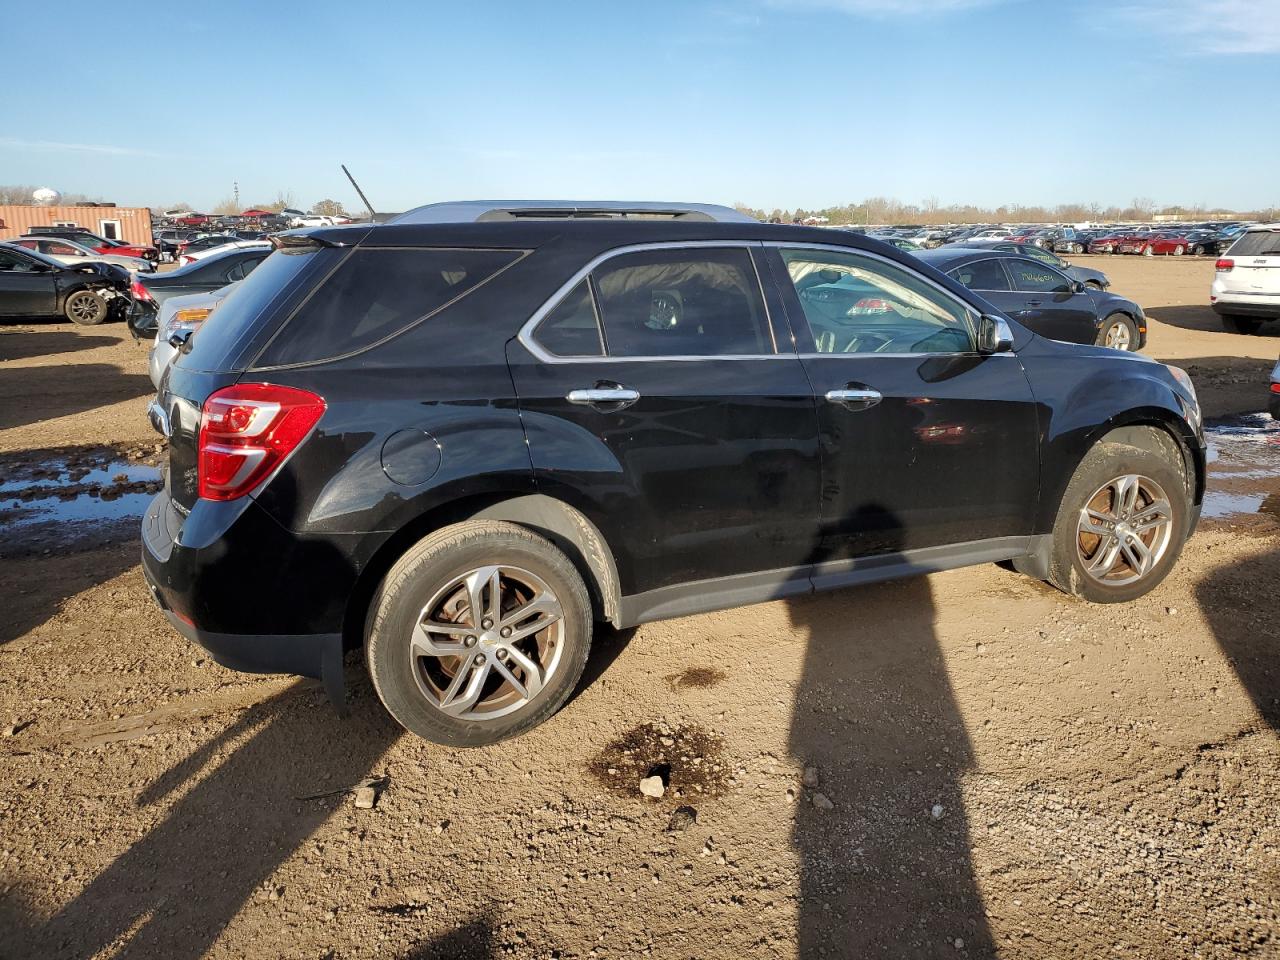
855, 398
610, 396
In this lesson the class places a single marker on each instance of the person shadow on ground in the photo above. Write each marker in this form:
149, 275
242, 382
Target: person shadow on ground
885, 869
172, 892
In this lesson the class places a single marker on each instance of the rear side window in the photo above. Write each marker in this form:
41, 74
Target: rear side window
1257, 243
375, 294
571, 329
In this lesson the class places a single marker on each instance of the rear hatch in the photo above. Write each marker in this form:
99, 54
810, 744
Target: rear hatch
1255, 267
225, 346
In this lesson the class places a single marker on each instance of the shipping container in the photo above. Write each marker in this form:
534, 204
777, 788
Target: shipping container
129, 224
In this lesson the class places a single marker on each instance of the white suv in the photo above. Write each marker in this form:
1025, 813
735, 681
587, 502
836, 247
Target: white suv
1246, 288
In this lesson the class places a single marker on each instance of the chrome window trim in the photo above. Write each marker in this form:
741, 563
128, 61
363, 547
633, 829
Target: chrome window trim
530, 343
971, 312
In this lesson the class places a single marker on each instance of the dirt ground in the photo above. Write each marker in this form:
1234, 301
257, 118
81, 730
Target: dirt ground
995, 769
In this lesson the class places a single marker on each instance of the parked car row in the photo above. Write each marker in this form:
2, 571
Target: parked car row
1207, 238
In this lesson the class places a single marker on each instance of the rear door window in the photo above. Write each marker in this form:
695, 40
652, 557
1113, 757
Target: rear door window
377, 293
681, 302
982, 275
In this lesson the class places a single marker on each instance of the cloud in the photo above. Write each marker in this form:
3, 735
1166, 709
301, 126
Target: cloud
101, 149
1210, 26
887, 9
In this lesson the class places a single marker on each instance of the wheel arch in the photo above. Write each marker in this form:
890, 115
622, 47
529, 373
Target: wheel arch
566, 527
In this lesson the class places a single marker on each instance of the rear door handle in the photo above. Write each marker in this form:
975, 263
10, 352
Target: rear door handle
614, 397
855, 398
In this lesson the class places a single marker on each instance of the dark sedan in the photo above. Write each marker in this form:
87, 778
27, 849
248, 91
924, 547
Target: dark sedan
199, 277
33, 285
1086, 275
1043, 298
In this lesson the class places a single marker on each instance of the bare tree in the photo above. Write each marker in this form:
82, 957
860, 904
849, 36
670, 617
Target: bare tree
328, 208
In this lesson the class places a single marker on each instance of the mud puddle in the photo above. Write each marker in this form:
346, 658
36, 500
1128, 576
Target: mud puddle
75, 497
1244, 470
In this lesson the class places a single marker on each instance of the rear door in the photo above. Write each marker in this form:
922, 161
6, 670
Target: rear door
657, 398
925, 442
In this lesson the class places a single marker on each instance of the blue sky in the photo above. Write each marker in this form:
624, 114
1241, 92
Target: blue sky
770, 102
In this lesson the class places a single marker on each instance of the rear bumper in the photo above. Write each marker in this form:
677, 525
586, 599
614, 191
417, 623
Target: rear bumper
215, 594
1247, 308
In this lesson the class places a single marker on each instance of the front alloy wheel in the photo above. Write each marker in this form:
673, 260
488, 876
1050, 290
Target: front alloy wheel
1118, 333
86, 308
1124, 530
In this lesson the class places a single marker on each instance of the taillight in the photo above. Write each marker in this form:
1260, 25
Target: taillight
139, 291
1224, 264
247, 431
1275, 388
870, 305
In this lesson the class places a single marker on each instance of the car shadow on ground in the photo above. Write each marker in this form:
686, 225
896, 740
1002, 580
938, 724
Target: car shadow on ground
1238, 602
25, 344
475, 940
174, 889
887, 872
35, 588
32, 394
1201, 317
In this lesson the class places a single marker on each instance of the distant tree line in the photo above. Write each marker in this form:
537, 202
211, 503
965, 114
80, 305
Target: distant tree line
886, 210
20, 195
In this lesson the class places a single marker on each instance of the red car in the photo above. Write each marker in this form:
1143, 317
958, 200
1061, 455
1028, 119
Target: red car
99, 244
194, 220
1164, 244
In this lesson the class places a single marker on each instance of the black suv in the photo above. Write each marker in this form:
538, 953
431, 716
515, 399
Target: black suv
461, 438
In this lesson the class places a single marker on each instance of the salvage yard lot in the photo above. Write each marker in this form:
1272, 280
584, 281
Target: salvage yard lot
1007, 771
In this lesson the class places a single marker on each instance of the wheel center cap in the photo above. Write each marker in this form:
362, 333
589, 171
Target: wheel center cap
1124, 531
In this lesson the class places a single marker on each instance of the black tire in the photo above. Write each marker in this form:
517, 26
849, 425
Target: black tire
1234, 323
1179, 250
1197, 250
85, 307
1104, 463
1118, 322
424, 570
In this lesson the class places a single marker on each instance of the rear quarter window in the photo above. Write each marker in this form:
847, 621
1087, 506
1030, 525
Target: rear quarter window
377, 293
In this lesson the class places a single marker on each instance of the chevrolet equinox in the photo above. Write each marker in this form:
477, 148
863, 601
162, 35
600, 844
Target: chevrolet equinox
460, 439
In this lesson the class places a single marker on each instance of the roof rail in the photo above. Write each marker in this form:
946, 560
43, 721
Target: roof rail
477, 211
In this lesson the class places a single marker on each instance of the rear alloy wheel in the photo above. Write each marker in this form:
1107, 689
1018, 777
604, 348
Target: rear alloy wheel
1149, 251
1197, 250
85, 308
479, 633
1121, 524
1234, 323
1118, 332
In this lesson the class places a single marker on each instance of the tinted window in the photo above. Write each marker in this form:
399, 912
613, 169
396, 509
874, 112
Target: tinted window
682, 303
1031, 277
14, 263
1257, 243
571, 329
982, 275
220, 342
244, 267
376, 293
857, 304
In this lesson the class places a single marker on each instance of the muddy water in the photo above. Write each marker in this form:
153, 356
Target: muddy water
1244, 469
75, 497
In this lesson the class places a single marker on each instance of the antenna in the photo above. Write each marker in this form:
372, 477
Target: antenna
367, 204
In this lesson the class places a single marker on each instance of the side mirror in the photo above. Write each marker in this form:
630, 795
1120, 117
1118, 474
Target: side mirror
994, 335
1077, 287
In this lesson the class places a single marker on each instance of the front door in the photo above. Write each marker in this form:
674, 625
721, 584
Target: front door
1050, 303
26, 286
655, 399
926, 443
